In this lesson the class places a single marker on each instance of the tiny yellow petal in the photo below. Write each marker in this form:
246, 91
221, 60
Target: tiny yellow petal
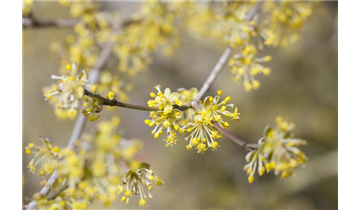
251, 179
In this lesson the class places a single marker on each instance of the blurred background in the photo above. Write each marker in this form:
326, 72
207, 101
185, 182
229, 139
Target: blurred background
302, 87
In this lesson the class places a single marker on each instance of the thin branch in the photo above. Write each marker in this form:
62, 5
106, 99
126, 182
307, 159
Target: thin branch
229, 135
254, 11
80, 121
214, 73
61, 189
61, 23
223, 59
32, 22
107, 102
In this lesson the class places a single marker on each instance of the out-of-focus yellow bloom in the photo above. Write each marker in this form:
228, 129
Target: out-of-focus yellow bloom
26, 7
79, 8
139, 181
80, 48
91, 173
68, 91
245, 66
152, 29
203, 22
91, 108
255, 163
186, 97
46, 157
277, 151
287, 19
113, 83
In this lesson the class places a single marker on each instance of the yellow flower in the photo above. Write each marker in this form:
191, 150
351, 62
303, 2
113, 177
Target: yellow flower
139, 182
165, 121
245, 66
186, 97
142, 202
204, 22
277, 151
255, 162
155, 30
69, 89
287, 19
46, 156
91, 107
214, 109
203, 133
164, 101
26, 7
112, 83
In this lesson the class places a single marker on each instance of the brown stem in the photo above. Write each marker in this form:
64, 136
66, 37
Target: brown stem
31, 21
214, 73
229, 135
107, 102
61, 23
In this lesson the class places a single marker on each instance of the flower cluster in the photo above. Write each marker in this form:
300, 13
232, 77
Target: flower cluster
79, 8
186, 97
280, 26
203, 21
152, 28
79, 48
94, 170
92, 30
277, 151
139, 181
112, 83
167, 116
26, 7
287, 19
237, 29
203, 134
66, 94
245, 66
46, 157
91, 108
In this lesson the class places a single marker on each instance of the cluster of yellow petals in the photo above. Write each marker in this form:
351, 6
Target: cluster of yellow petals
198, 121
245, 66
91, 174
66, 93
277, 151
138, 181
